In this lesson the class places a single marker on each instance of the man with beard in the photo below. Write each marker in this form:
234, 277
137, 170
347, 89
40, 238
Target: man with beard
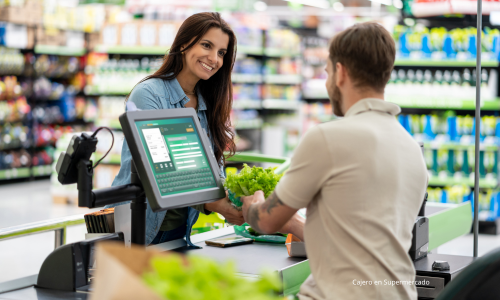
362, 179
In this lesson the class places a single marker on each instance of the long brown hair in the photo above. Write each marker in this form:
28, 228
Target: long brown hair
217, 90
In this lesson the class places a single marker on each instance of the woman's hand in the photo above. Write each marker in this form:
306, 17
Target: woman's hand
224, 207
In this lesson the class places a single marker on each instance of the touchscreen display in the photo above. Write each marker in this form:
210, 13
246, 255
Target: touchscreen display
176, 155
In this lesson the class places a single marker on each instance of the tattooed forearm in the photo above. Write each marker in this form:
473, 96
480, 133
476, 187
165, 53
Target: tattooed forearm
271, 202
254, 217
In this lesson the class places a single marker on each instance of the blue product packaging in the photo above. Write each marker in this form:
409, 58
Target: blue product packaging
452, 129
448, 47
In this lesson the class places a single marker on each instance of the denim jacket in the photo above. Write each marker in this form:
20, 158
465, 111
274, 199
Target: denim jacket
159, 94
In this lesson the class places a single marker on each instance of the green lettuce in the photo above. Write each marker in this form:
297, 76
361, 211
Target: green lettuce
252, 179
198, 278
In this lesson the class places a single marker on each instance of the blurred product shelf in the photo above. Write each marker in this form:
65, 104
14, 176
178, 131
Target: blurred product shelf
246, 78
449, 181
15, 173
42, 170
151, 50
283, 79
443, 63
247, 104
280, 104
60, 50
250, 50
249, 124
276, 52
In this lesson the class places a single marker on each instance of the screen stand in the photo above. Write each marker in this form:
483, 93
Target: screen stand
115, 194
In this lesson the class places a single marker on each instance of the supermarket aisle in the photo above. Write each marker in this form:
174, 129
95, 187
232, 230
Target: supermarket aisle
27, 202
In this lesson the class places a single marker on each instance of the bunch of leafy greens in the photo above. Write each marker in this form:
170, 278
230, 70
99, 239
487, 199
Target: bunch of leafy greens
197, 278
250, 180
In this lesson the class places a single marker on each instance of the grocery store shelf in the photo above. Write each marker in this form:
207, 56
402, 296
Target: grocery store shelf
420, 101
280, 104
276, 52
458, 146
248, 124
443, 63
251, 50
152, 50
247, 104
112, 159
111, 123
483, 183
283, 79
59, 50
15, 173
246, 78
42, 170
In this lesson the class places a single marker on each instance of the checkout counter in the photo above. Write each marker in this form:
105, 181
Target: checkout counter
150, 130
446, 222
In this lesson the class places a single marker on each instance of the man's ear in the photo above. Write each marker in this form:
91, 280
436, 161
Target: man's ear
340, 73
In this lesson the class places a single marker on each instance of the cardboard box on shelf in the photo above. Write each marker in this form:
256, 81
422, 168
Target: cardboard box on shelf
13, 14
52, 37
34, 12
92, 40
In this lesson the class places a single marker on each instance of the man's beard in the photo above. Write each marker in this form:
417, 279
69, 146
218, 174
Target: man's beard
336, 100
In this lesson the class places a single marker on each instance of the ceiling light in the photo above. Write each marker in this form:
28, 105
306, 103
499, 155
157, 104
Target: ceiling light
260, 6
397, 4
315, 3
338, 6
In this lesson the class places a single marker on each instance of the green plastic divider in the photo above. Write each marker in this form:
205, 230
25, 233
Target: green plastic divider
252, 50
418, 101
449, 224
59, 50
483, 183
443, 63
15, 173
293, 277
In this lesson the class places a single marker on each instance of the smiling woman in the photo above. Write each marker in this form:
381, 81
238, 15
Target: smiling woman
196, 73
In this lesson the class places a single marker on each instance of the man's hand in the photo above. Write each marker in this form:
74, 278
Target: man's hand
267, 216
224, 207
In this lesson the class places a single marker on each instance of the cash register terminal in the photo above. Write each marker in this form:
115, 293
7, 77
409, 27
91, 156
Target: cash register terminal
173, 157
173, 165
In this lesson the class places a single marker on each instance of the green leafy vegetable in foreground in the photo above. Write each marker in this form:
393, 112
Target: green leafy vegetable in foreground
250, 180
197, 278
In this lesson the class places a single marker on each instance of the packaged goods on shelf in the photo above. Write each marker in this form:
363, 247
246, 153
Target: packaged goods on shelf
14, 136
46, 135
449, 148
289, 92
14, 110
118, 76
246, 119
284, 40
439, 43
246, 92
281, 134
55, 66
65, 16
43, 157
489, 199
249, 37
316, 113
14, 159
248, 65
11, 61
10, 88
139, 33
109, 109
284, 66
450, 86
22, 12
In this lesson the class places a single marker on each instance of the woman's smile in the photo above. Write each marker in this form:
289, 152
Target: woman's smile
206, 67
